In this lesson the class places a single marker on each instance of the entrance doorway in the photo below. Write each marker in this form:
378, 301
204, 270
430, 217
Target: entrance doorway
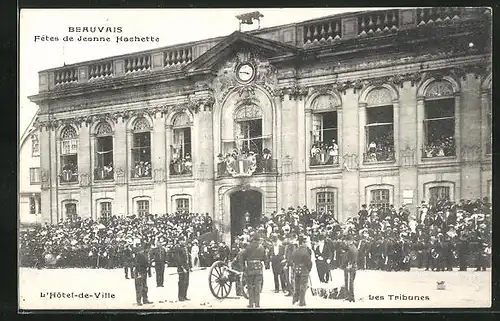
243, 202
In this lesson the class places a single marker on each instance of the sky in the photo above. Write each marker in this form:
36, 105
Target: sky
171, 26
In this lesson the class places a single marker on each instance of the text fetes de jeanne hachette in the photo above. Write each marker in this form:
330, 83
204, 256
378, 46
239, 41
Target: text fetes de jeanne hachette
80, 34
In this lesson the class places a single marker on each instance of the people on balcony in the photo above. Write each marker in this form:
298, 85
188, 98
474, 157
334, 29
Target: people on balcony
69, 173
324, 154
380, 149
104, 172
264, 162
440, 147
181, 166
142, 169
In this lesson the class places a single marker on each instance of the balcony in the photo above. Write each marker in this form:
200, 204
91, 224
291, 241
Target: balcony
323, 159
181, 168
142, 170
68, 176
438, 151
383, 156
324, 31
103, 173
263, 166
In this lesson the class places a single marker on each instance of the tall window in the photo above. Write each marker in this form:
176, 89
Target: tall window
70, 209
35, 145
106, 209
141, 149
380, 198
438, 193
104, 152
324, 202
249, 129
35, 204
325, 148
143, 207
181, 162
182, 204
34, 175
69, 155
439, 120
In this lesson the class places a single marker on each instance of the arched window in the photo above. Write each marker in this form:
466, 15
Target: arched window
380, 198
379, 127
439, 120
104, 152
69, 155
325, 202
35, 145
70, 210
141, 149
438, 194
181, 162
324, 147
248, 136
105, 210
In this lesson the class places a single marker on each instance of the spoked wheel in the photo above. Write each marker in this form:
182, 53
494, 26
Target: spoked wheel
218, 280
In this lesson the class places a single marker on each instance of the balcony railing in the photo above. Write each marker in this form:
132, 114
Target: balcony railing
103, 173
322, 31
323, 159
438, 151
181, 168
378, 157
68, 176
264, 166
141, 171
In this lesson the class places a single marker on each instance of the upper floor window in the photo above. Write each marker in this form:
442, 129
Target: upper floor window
141, 149
34, 175
70, 209
439, 120
379, 127
380, 198
248, 121
35, 204
324, 145
181, 162
106, 210
104, 152
324, 202
35, 145
182, 204
69, 155
143, 207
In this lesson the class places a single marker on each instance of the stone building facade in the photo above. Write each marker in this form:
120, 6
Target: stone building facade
389, 107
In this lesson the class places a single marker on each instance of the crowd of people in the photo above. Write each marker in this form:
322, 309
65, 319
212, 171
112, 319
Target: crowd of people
444, 146
324, 154
141, 169
263, 161
180, 166
381, 149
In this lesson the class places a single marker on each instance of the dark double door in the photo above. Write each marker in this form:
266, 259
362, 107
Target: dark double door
243, 202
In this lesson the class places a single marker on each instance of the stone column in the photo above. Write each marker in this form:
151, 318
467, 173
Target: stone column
120, 152
159, 164
420, 128
169, 134
288, 139
301, 154
48, 173
203, 167
395, 128
362, 134
85, 166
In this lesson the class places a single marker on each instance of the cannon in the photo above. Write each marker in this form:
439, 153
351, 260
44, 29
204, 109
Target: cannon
221, 278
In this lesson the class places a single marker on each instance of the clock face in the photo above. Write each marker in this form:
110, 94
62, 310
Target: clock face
245, 72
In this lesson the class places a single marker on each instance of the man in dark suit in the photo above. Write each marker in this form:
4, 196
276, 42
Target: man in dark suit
323, 254
302, 264
277, 256
128, 261
183, 268
141, 265
350, 262
253, 257
289, 273
159, 258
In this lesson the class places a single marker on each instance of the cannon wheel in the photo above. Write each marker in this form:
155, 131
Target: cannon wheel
218, 280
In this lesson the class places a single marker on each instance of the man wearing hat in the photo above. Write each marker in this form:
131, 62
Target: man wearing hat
350, 261
159, 258
277, 255
289, 249
253, 256
302, 265
323, 254
141, 265
183, 268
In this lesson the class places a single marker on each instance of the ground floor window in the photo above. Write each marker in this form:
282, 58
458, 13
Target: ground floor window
182, 204
438, 193
70, 210
35, 204
106, 209
380, 198
324, 202
143, 207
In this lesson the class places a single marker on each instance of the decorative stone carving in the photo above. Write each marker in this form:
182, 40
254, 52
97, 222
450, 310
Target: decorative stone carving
287, 163
120, 176
439, 88
324, 102
379, 97
84, 179
159, 175
248, 112
69, 132
407, 156
142, 124
103, 129
350, 162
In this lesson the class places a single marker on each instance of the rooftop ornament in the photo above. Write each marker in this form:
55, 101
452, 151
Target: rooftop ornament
248, 18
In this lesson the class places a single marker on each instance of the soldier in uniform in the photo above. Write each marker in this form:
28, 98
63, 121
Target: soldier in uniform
237, 263
302, 265
159, 258
462, 251
141, 265
183, 268
289, 274
253, 257
128, 261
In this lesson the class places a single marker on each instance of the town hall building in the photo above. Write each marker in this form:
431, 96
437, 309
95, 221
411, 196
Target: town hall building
386, 107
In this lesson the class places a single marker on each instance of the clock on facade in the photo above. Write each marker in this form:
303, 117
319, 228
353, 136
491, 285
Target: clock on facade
245, 72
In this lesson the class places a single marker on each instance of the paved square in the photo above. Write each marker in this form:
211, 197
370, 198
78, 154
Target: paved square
463, 289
